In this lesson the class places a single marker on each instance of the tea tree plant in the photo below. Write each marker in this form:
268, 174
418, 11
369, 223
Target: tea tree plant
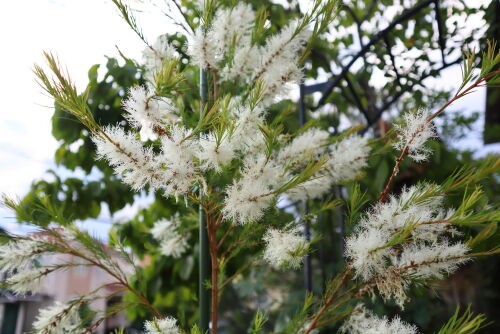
226, 153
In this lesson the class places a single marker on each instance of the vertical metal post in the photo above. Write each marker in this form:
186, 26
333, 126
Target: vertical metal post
307, 228
341, 220
204, 270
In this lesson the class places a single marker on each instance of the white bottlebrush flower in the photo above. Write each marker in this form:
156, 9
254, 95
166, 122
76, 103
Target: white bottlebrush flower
365, 249
245, 60
153, 57
285, 249
177, 159
278, 61
248, 197
316, 187
26, 281
347, 158
172, 243
432, 261
423, 251
306, 146
247, 136
18, 255
363, 321
410, 207
166, 325
282, 48
201, 50
279, 81
149, 112
414, 133
231, 27
129, 158
58, 319
215, 154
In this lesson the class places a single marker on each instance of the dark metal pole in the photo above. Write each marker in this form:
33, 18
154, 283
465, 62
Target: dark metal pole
341, 220
204, 270
307, 228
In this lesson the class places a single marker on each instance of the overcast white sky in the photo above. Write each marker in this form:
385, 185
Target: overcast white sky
81, 32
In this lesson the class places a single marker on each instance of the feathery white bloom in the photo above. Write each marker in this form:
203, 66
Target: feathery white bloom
26, 280
247, 136
245, 60
18, 255
177, 158
166, 325
425, 253
414, 133
278, 63
213, 154
129, 158
432, 261
410, 208
279, 81
306, 146
147, 111
201, 49
153, 58
172, 242
347, 158
282, 48
285, 249
58, 319
231, 25
363, 321
366, 251
313, 188
248, 197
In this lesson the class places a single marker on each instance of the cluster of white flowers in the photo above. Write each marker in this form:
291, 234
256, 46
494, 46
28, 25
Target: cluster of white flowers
423, 251
232, 28
261, 177
58, 319
26, 280
313, 188
305, 147
173, 170
172, 243
149, 112
230, 31
414, 133
285, 248
183, 156
347, 158
166, 325
227, 46
247, 137
154, 56
177, 158
16, 262
278, 65
129, 158
249, 196
19, 254
362, 321
215, 152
